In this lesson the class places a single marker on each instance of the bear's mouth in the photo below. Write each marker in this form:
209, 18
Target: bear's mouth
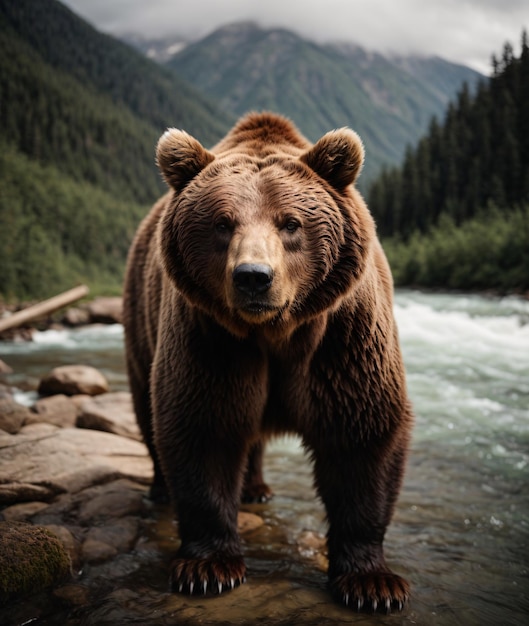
258, 308
256, 312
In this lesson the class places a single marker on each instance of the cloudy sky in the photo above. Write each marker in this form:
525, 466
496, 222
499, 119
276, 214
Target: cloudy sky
464, 31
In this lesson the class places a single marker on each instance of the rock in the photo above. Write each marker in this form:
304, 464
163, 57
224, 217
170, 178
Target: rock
4, 368
75, 316
43, 461
23, 492
94, 551
104, 542
121, 533
5, 391
112, 413
12, 415
104, 310
58, 410
311, 541
31, 559
314, 546
120, 498
22, 512
67, 539
248, 521
76, 595
94, 506
79, 400
73, 379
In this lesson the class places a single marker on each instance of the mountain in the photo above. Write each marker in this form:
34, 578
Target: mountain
80, 115
88, 103
388, 101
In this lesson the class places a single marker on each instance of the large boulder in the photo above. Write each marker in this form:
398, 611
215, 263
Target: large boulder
31, 558
59, 410
72, 380
111, 413
105, 310
43, 461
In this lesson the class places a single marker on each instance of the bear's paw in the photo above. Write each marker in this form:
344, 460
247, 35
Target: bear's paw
211, 575
256, 493
373, 591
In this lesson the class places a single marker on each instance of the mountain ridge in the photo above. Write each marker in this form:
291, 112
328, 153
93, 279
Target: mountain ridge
244, 66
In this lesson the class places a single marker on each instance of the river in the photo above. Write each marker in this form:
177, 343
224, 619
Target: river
461, 529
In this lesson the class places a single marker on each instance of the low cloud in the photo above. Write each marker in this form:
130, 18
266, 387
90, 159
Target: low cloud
465, 31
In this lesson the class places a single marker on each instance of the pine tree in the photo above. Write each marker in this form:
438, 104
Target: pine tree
458, 207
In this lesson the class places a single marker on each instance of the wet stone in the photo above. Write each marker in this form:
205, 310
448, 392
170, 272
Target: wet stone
94, 551
112, 413
24, 492
74, 594
106, 310
121, 534
43, 461
12, 415
75, 316
73, 379
117, 499
58, 410
246, 522
23, 511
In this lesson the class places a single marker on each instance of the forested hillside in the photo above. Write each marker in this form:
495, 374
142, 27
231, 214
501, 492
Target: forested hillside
79, 111
456, 213
388, 101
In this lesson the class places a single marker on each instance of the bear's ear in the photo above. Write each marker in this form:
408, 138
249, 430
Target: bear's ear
180, 157
337, 157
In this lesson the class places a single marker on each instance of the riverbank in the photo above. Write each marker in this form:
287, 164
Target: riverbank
456, 534
100, 310
73, 466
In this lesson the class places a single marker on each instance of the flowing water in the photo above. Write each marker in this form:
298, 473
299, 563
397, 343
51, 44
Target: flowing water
461, 528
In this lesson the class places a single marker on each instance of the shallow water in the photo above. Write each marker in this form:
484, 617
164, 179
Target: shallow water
461, 529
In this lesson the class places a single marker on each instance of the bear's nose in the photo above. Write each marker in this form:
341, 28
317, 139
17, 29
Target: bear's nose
253, 278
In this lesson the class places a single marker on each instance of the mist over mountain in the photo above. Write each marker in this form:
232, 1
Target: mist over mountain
389, 101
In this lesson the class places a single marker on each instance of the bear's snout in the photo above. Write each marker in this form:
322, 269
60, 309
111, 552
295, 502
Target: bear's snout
253, 279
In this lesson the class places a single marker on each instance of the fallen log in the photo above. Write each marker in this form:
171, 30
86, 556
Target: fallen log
43, 308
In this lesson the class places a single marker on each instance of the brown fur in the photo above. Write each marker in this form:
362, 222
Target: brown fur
258, 301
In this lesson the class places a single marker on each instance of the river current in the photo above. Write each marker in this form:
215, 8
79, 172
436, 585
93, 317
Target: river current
461, 529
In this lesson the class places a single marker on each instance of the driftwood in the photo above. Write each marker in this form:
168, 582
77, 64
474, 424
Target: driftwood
43, 308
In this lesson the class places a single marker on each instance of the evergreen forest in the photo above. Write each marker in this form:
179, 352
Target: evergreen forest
455, 214
80, 115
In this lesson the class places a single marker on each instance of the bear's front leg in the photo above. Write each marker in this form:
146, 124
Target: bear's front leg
209, 559
359, 486
207, 407
205, 478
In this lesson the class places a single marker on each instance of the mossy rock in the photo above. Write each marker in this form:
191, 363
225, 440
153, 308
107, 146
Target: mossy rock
31, 559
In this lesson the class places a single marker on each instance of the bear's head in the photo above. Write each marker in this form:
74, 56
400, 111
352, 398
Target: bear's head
265, 231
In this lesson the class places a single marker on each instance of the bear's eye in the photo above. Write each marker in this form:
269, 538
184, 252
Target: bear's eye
223, 226
291, 225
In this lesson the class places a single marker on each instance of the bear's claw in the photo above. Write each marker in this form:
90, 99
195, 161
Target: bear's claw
216, 574
374, 591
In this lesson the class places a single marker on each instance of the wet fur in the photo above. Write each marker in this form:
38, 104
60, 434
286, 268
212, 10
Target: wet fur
212, 379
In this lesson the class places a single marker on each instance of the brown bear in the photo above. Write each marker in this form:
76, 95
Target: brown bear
258, 301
